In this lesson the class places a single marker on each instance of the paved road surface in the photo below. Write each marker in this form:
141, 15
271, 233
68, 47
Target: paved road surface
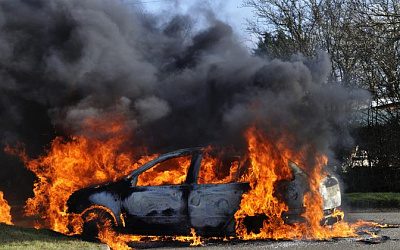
393, 242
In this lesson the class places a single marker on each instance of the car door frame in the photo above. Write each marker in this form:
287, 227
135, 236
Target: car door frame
222, 199
140, 223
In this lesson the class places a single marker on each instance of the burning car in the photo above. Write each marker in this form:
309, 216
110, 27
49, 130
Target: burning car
140, 203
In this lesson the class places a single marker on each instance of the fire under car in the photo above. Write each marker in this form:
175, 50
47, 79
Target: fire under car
188, 201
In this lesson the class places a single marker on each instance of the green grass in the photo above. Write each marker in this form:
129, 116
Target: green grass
12, 237
373, 200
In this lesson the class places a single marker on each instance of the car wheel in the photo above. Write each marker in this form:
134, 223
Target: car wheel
331, 217
94, 219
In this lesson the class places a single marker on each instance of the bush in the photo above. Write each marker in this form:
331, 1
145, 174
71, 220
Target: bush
372, 200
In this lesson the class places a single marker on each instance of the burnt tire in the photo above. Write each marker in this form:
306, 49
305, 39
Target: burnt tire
93, 220
331, 217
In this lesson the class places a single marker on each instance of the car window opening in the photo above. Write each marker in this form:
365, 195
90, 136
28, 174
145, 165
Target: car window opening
170, 172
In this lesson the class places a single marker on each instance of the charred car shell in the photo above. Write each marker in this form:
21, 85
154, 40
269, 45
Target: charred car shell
175, 209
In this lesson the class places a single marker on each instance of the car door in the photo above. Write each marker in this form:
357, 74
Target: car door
213, 202
158, 203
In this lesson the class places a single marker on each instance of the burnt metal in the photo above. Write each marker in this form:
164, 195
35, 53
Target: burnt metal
175, 209
374, 239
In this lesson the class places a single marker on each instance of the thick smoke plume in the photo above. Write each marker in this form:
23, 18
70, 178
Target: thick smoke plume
179, 85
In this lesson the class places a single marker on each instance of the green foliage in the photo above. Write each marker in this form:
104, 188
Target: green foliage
373, 200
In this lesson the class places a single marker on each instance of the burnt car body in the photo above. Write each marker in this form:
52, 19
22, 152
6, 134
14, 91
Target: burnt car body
175, 209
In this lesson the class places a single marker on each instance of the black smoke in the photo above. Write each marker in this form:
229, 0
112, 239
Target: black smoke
179, 84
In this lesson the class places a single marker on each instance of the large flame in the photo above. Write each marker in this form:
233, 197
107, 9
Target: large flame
101, 156
75, 163
269, 164
83, 160
5, 215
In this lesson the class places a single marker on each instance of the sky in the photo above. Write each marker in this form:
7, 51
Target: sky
230, 11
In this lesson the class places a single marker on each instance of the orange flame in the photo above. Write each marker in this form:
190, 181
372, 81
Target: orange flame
5, 215
73, 164
172, 172
120, 241
267, 167
212, 170
101, 156
269, 164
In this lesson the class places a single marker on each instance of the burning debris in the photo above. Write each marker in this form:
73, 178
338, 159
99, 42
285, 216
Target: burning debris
5, 215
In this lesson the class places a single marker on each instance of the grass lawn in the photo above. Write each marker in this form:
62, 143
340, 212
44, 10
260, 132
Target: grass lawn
373, 200
12, 237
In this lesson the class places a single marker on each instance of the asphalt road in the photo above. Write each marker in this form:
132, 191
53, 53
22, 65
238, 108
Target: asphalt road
390, 238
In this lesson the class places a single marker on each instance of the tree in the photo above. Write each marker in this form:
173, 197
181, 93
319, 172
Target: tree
362, 38
285, 26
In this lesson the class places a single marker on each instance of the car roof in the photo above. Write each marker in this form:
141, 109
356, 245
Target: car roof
163, 157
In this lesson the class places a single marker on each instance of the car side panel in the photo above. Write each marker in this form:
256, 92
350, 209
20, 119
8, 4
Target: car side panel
159, 209
212, 206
